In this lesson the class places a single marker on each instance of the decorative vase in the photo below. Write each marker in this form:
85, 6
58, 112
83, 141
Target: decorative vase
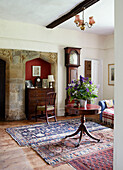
83, 103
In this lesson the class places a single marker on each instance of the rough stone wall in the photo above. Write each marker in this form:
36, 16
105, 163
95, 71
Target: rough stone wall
15, 79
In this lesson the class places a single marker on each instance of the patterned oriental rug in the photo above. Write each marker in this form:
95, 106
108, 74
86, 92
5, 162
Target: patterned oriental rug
43, 133
99, 160
47, 141
63, 151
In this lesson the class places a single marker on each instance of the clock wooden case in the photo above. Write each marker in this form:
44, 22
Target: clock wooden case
72, 62
72, 56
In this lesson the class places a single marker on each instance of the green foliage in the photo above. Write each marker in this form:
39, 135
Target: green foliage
82, 89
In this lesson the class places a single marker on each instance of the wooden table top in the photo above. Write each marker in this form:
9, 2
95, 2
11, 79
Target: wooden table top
89, 110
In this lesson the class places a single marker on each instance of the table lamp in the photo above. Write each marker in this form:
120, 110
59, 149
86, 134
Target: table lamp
50, 80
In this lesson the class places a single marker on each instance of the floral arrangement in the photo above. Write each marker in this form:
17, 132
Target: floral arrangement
82, 89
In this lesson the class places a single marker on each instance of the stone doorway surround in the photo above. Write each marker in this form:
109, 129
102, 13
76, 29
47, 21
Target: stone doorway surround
15, 79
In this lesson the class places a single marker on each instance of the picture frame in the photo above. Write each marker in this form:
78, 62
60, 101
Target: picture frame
36, 71
111, 74
44, 83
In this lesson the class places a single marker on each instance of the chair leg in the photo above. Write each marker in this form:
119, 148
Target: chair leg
42, 113
55, 116
36, 116
55, 119
46, 117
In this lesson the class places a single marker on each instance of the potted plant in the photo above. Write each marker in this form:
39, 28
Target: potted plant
82, 90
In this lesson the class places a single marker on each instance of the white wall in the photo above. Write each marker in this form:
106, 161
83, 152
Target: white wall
15, 35
28, 36
108, 58
118, 119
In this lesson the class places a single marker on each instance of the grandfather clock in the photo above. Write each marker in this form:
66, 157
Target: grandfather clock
72, 62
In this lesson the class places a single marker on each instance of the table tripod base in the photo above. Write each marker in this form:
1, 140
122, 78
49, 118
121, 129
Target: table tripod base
82, 128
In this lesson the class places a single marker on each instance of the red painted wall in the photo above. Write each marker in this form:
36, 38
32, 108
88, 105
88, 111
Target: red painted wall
45, 69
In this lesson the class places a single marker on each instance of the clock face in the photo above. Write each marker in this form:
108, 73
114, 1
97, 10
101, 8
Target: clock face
38, 79
73, 58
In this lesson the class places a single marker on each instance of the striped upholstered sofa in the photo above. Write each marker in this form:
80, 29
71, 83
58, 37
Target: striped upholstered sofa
107, 111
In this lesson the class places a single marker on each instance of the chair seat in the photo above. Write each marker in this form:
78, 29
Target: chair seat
42, 108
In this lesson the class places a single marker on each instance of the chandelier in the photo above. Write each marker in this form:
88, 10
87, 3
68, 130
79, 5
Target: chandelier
80, 22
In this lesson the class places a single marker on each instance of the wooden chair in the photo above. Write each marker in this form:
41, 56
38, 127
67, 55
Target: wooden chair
46, 110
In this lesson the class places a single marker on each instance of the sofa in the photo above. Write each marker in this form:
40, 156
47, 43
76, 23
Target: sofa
107, 111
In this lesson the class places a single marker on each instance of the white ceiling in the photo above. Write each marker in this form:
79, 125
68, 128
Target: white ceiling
43, 12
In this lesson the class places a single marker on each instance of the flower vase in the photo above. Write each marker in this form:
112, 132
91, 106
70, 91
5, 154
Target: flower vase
83, 103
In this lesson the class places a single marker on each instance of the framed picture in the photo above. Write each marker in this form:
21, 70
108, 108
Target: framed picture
36, 71
44, 83
111, 74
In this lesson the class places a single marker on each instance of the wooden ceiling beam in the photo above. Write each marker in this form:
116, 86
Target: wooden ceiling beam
85, 4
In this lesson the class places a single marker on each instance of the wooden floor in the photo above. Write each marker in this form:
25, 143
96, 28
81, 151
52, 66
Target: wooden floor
14, 157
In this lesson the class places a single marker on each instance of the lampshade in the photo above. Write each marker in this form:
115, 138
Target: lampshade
51, 78
77, 19
91, 21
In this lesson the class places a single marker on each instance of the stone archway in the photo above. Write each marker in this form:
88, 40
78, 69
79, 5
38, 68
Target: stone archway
15, 78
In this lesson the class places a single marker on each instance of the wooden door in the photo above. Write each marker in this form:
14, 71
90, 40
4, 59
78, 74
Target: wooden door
2, 89
87, 68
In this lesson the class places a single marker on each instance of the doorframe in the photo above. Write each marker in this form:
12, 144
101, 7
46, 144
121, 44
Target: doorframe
100, 74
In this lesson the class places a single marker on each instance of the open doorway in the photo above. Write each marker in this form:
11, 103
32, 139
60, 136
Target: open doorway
93, 69
2, 89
